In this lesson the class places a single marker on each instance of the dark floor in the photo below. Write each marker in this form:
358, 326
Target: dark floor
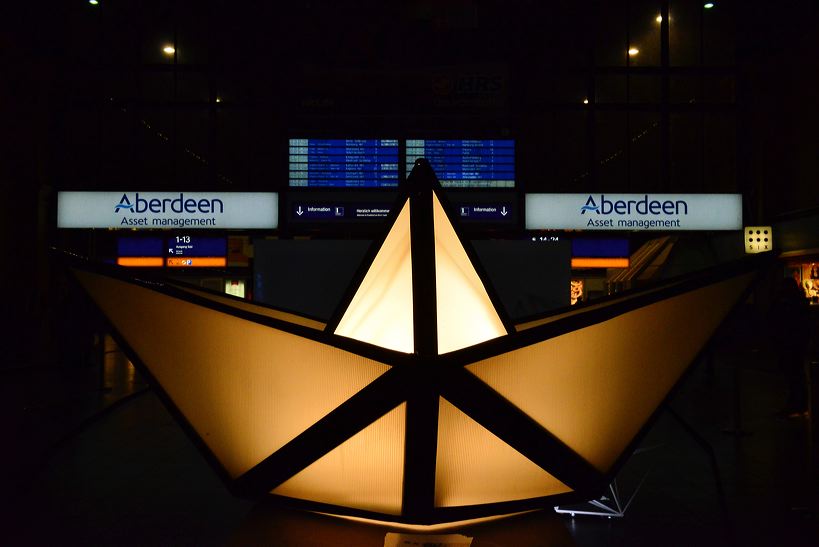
95, 459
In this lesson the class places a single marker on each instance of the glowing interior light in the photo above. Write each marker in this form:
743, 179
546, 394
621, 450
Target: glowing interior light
93, 2
241, 385
633, 51
366, 471
659, 19
381, 311
585, 101
218, 99
601, 358
466, 315
169, 50
474, 466
708, 5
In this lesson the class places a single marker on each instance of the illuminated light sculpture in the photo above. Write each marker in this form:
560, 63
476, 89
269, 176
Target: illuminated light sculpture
419, 401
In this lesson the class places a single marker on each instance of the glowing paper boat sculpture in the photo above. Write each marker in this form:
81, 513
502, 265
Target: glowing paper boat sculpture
419, 402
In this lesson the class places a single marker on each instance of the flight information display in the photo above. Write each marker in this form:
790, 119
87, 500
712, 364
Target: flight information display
467, 163
343, 163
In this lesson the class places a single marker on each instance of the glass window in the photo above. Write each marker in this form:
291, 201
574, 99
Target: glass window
719, 152
568, 151
192, 86
230, 152
644, 150
610, 88
718, 89
644, 89
157, 85
686, 151
611, 47
155, 136
684, 89
718, 30
560, 88
644, 33
684, 32
610, 153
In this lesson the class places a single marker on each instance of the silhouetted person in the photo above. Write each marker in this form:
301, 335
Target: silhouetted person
790, 329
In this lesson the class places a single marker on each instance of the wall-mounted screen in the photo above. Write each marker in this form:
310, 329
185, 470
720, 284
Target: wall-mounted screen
488, 163
137, 251
600, 248
191, 245
186, 251
343, 163
139, 246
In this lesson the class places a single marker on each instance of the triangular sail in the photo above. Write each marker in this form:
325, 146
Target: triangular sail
365, 472
474, 466
466, 315
381, 311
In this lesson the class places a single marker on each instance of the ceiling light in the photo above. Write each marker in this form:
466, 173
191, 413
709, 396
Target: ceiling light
169, 50
633, 51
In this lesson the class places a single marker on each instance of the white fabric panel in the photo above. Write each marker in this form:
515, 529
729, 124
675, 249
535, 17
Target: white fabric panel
246, 389
380, 313
594, 388
365, 472
474, 466
466, 315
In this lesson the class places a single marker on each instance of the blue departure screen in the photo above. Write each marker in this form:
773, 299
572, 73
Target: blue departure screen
344, 163
188, 245
139, 246
467, 163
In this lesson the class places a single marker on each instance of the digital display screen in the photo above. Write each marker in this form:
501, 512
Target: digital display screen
602, 248
140, 246
183, 245
343, 163
467, 163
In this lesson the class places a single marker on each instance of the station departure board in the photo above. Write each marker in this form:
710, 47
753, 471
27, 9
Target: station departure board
343, 163
467, 163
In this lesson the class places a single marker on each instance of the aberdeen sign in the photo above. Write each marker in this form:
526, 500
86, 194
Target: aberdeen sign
144, 210
634, 212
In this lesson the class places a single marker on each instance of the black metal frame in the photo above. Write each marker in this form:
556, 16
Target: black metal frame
420, 378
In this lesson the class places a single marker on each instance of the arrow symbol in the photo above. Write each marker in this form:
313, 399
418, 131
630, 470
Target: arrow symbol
504, 212
299, 211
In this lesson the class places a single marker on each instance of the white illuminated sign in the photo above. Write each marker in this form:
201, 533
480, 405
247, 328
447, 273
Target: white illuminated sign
145, 210
660, 212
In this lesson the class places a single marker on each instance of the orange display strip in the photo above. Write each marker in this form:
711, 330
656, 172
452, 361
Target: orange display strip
140, 261
194, 262
600, 263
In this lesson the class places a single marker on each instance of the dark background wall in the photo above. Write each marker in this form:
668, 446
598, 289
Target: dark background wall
89, 101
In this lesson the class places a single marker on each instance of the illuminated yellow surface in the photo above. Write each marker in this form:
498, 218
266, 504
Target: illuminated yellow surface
254, 308
465, 314
196, 262
427, 528
365, 472
474, 466
600, 262
594, 388
140, 261
246, 389
381, 310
